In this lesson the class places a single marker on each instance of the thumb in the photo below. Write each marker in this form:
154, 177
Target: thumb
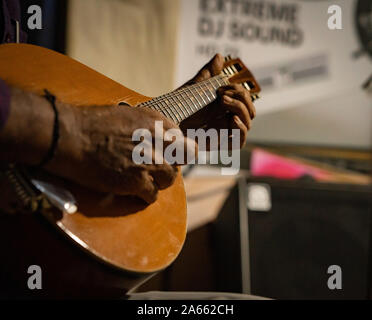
211, 69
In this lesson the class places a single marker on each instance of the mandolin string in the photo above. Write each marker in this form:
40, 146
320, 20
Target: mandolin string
172, 110
184, 98
179, 92
181, 101
176, 106
189, 107
201, 94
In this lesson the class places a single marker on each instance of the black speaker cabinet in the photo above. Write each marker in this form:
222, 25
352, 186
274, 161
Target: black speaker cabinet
280, 239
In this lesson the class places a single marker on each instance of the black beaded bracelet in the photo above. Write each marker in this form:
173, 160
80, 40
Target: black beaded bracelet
53, 146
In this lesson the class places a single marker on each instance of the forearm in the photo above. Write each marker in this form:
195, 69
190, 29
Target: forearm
27, 134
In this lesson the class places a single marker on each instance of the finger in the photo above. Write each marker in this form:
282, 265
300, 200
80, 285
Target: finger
252, 107
236, 123
220, 122
215, 66
191, 148
169, 124
178, 149
170, 136
146, 188
238, 108
164, 175
211, 69
154, 116
233, 86
165, 136
184, 151
244, 97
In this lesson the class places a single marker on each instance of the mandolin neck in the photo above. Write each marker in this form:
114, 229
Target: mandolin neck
184, 102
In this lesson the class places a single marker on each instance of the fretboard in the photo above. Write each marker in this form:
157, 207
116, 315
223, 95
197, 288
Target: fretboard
182, 103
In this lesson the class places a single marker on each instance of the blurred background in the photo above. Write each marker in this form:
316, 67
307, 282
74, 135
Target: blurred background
302, 200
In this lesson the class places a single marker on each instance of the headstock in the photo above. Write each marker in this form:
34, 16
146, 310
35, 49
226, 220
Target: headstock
239, 73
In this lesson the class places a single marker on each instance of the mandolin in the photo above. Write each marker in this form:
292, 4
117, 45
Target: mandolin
110, 243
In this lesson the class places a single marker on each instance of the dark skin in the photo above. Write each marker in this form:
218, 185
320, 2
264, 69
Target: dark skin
95, 145
233, 109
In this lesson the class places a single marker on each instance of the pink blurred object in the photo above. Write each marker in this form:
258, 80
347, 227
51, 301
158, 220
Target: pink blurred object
264, 163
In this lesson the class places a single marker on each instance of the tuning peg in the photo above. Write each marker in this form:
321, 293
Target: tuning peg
245, 85
255, 96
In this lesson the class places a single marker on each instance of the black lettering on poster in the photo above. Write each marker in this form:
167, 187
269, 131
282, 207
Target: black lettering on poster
262, 21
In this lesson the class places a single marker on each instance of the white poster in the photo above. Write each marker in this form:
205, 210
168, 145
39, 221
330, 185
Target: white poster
287, 44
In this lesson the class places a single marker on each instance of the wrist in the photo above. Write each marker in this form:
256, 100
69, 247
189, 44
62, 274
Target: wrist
25, 136
69, 148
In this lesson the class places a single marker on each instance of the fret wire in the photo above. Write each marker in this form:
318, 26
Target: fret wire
167, 111
208, 90
194, 99
171, 110
223, 82
197, 100
162, 101
183, 99
212, 81
193, 86
218, 84
177, 112
189, 99
164, 112
156, 107
160, 98
187, 88
166, 108
179, 115
173, 97
191, 90
218, 81
176, 109
203, 93
215, 83
207, 85
197, 91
